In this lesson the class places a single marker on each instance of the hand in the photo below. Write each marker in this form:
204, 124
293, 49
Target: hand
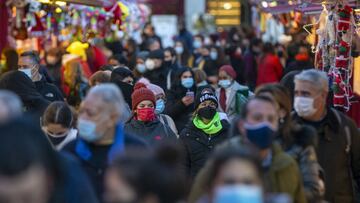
187, 100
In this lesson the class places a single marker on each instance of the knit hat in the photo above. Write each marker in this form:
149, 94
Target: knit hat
156, 54
141, 93
229, 70
205, 95
155, 89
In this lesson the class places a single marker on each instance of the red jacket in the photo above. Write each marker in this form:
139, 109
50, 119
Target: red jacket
270, 70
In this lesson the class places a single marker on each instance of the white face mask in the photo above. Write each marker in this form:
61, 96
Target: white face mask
27, 72
87, 130
150, 64
304, 106
239, 193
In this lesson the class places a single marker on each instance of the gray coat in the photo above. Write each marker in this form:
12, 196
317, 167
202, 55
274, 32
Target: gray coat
231, 109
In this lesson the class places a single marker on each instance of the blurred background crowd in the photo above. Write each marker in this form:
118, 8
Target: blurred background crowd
116, 102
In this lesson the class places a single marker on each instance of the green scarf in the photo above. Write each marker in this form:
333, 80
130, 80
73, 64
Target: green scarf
211, 128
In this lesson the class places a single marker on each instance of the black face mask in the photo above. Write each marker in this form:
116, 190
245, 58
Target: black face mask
207, 112
56, 140
167, 63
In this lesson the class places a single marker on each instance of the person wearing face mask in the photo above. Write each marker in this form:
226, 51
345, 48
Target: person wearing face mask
212, 64
156, 72
235, 172
144, 122
29, 63
338, 137
203, 133
257, 129
124, 79
299, 141
22, 86
58, 124
160, 107
198, 44
182, 53
171, 64
101, 135
180, 98
53, 65
231, 94
140, 67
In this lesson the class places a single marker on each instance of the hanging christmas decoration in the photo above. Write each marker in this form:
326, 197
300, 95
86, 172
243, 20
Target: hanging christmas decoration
333, 51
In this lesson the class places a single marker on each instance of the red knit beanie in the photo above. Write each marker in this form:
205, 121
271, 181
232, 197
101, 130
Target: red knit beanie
141, 93
229, 70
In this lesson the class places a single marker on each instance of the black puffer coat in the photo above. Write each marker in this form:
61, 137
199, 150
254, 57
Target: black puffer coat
151, 132
198, 145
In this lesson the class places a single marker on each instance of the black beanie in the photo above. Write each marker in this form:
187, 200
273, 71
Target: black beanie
205, 95
156, 54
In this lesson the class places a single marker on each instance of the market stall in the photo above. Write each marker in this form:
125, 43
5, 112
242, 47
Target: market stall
334, 33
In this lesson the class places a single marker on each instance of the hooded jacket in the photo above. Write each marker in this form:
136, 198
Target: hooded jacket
152, 132
20, 84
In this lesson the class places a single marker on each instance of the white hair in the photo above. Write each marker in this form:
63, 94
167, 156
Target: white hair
111, 94
12, 103
317, 78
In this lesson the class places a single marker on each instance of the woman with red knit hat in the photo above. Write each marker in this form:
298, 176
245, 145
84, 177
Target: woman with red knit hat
144, 122
230, 93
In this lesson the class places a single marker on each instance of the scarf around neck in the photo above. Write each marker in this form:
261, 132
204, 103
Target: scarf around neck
213, 127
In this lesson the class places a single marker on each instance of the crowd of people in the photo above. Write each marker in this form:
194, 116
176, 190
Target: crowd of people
216, 118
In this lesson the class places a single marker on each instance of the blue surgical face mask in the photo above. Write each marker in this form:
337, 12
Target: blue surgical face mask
214, 55
87, 130
261, 135
187, 82
141, 68
239, 193
225, 83
27, 72
197, 44
160, 106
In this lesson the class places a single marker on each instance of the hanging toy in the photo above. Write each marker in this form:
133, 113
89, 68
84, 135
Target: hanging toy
344, 18
342, 58
338, 88
114, 12
38, 29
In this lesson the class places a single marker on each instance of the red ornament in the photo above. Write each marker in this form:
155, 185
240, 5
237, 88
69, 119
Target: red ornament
344, 18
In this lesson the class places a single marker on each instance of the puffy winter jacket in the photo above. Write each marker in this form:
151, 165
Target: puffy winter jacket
151, 132
198, 145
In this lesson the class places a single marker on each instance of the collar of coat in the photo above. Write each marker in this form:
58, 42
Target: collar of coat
329, 121
83, 150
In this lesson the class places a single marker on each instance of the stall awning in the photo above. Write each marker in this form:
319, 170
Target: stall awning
305, 6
